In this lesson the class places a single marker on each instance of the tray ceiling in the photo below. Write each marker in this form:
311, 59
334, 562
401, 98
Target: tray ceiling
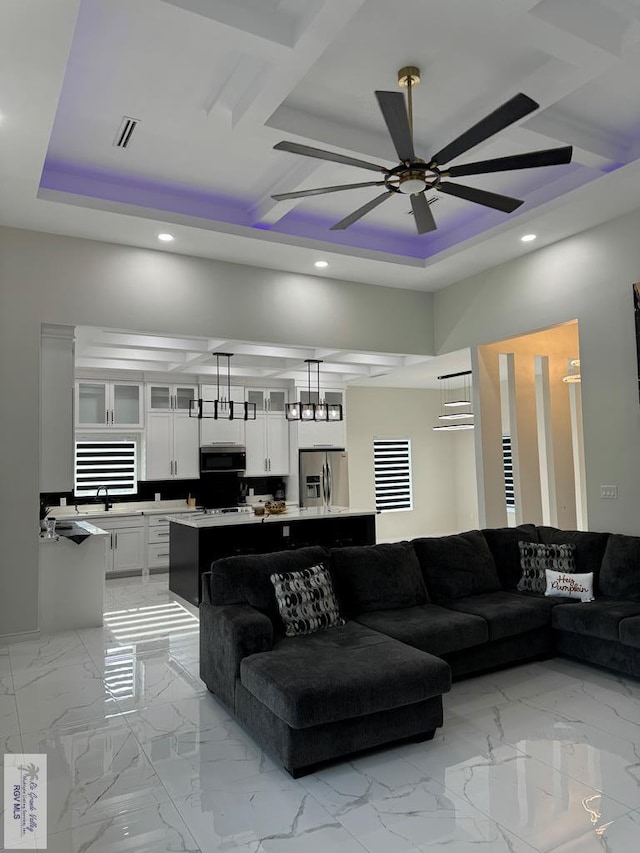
214, 85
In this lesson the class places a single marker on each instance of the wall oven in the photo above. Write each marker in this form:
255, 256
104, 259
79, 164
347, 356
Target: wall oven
222, 459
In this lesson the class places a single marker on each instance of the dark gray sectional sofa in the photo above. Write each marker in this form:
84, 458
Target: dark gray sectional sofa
417, 615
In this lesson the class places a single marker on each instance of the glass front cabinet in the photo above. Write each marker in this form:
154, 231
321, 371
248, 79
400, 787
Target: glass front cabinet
103, 405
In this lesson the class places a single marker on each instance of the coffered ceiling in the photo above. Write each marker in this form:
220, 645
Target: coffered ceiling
214, 84
138, 355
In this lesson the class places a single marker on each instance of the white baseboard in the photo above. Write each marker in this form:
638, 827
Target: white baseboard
5, 639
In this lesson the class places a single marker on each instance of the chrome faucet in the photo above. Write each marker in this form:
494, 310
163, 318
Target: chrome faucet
107, 505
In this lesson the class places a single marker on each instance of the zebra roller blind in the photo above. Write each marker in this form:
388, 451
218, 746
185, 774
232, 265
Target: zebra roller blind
392, 466
507, 464
110, 462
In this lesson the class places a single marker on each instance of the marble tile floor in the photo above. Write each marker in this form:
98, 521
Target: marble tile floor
142, 759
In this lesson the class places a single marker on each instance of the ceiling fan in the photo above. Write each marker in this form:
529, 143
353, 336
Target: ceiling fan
414, 176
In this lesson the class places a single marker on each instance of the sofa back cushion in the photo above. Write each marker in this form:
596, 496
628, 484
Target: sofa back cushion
377, 577
246, 579
457, 566
590, 548
620, 572
503, 543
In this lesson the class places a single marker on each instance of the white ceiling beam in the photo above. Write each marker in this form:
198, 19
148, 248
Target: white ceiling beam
269, 211
125, 364
313, 38
127, 353
105, 337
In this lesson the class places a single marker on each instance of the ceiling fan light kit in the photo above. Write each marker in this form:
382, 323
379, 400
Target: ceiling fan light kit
413, 176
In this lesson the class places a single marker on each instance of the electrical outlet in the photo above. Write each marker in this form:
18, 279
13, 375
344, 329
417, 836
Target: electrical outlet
608, 491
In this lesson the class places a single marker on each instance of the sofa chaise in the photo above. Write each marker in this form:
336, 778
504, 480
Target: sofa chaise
416, 615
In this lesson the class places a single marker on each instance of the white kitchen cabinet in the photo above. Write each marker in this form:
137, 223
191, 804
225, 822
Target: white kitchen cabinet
322, 433
222, 430
157, 542
171, 451
267, 446
268, 400
101, 405
175, 397
126, 544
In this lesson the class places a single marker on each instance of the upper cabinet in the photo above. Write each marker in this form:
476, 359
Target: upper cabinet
170, 398
318, 434
269, 401
221, 430
101, 405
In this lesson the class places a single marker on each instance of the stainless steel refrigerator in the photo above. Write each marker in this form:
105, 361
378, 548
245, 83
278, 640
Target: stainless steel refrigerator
324, 478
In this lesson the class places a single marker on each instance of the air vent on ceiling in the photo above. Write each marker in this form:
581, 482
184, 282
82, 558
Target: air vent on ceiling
125, 132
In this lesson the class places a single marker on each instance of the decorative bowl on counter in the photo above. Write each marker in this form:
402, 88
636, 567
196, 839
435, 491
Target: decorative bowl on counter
275, 507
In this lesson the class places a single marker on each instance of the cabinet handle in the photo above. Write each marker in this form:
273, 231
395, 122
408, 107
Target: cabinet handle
116, 541
162, 555
161, 534
111, 541
176, 465
269, 463
265, 464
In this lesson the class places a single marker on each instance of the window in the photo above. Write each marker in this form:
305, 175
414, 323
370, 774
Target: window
392, 466
507, 465
106, 462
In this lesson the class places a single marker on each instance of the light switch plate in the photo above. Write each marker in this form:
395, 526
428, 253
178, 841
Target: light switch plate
608, 491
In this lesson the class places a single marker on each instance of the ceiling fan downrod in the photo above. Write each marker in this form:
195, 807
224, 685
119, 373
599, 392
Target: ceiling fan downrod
408, 77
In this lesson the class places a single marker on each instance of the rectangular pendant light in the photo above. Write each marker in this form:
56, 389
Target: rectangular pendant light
321, 412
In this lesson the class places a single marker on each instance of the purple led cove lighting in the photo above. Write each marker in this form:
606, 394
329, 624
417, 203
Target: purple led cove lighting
471, 220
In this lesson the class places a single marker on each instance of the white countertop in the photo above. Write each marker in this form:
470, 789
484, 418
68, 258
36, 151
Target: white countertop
86, 526
68, 513
199, 520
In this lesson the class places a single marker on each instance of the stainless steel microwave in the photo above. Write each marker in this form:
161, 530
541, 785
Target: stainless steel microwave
220, 459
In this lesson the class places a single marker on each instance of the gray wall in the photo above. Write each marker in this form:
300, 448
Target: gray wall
50, 279
587, 277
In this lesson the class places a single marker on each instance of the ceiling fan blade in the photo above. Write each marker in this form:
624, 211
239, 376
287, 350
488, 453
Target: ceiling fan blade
531, 160
422, 214
498, 202
394, 112
360, 212
322, 190
320, 154
516, 108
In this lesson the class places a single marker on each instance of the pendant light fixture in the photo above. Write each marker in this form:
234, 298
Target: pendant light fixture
309, 411
222, 408
453, 399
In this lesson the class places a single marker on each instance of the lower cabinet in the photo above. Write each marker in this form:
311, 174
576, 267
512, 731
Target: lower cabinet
157, 542
126, 544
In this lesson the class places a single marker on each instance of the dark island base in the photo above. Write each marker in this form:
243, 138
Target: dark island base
192, 549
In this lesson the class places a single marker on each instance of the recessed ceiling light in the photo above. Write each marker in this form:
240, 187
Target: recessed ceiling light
166, 238
527, 238
321, 264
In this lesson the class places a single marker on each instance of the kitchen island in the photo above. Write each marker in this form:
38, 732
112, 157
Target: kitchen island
197, 539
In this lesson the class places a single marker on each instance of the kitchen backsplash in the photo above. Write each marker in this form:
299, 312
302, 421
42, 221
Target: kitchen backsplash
210, 491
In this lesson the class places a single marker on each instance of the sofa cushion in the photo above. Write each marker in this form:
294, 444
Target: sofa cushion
569, 585
349, 671
620, 572
503, 544
629, 632
429, 627
306, 601
245, 579
457, 566
590, 548
507, 613
377, 577
536, 558
600, 618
